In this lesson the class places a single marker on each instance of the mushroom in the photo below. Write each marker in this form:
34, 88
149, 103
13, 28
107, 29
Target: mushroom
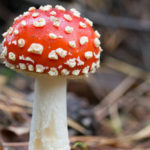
51, 44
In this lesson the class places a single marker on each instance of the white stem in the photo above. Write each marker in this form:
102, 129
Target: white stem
49, 123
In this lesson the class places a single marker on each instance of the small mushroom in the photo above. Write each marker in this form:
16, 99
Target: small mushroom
41, 53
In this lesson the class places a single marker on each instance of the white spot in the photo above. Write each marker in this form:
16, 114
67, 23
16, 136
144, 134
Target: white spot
69, 29
52, 55
93, 68
75, 12
12, 56
86, 70
36, 48
52, 18
55, 21
60, 66
29, 59
26, 58
16, 32
10, 30
84, 40
52, 36
59, 7
62, 53
35, 14
97, 56
53, 13
40, 22
26, 13
21, 42
88, 55
82, 25
72, 44
16, 18
45, 8
80, 62
89, 21
76, 72
5, 34
97, 42
11, 66
14, 42
31, 9
67, 17
22, 66
71, 63
23, 23
30, 67
65, 72
40, 68
97, 34
53, 72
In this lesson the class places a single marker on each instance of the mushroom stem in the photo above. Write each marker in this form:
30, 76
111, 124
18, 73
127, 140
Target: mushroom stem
49, 123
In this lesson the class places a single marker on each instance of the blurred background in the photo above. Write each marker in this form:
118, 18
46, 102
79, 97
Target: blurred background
110, 110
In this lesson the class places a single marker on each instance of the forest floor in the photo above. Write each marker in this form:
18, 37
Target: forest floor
110, 110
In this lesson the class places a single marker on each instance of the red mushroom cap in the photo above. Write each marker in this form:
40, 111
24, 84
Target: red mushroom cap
52, 41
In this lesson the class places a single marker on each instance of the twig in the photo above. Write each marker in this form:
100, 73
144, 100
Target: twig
118, 22
121, 141
15, 144
16, 101
12, 109
76, 126
142, 134
126, 68
133, 95
115, 118
11, 92
101, 141
101, 109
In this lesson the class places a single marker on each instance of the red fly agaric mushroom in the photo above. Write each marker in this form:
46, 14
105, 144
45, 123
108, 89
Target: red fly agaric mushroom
51, 44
